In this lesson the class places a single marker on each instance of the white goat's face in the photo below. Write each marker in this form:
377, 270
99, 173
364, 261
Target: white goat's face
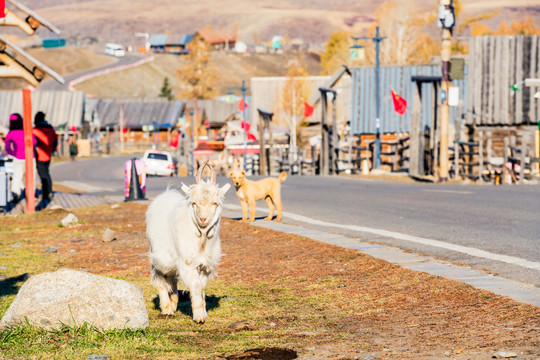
206, 200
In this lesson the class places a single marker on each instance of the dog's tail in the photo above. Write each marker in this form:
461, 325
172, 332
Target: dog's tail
282, 176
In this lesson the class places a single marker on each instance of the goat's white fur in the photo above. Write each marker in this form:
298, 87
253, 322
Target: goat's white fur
183, 232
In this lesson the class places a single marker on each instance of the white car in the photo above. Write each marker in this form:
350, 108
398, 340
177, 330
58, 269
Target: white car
158, 162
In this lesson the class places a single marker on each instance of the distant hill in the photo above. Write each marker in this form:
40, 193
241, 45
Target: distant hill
97, 22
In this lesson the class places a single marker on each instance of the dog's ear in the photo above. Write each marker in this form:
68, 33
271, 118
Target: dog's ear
243, 173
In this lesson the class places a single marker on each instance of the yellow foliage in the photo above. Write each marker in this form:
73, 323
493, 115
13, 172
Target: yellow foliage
525, 26
293, 94
406, 42
337, 52
198, 76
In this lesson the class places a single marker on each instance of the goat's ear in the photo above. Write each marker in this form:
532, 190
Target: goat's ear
225, 188
243, 173
186, 189
230, 174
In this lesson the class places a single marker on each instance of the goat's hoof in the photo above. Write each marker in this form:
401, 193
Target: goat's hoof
199, 316
268, 218
277, 219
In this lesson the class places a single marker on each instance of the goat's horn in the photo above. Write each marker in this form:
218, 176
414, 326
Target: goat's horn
201, 170
213, 170
198, 174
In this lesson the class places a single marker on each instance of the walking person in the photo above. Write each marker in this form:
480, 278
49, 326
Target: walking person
47, 141
73, 148
15, 147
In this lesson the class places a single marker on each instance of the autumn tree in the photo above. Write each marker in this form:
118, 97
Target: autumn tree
294, 93
337, 52
525, 26
197, 78
406, 40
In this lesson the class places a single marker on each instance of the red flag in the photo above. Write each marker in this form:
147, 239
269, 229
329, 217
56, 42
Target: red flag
400, 104
2, 9
241, 105
308, 109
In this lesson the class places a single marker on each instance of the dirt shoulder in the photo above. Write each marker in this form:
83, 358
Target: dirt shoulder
321, 300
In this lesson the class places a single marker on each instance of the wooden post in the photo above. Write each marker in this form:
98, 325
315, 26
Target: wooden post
28, 152
262, 146
480, 154
334, 156
524, 141
324, 170
416, 165
489, 150
506, 172
445, 86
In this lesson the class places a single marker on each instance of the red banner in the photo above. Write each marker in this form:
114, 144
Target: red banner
308, 109
2, 9
400, 104
241, 105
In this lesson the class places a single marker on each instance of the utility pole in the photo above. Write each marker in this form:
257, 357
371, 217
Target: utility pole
377, 39
243, 89
446, 21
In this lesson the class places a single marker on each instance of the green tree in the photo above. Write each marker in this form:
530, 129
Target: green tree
166, 91
197, 78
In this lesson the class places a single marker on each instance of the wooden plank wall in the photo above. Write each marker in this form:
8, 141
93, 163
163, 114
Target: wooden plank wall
495, 63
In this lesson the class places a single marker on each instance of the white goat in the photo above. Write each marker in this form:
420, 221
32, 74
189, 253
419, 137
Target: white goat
183, 232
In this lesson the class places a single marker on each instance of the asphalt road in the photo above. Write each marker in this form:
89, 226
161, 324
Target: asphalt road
51, 84
486, 227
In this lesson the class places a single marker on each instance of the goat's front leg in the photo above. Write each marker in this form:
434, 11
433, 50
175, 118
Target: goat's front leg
196, 291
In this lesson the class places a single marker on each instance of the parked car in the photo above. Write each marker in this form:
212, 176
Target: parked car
158, 162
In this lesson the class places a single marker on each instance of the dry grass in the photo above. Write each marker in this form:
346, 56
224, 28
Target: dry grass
322, 301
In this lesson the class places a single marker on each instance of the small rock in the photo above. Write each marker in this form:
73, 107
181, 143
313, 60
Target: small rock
240, 325
108, 235
17, 244
51, 250
3, 277
96, 357
3, 267
272, 324
69, 220
77, 240
306, 333
56, 207
504, 355
114, 206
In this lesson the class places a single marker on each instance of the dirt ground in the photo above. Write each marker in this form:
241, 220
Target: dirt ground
358, 303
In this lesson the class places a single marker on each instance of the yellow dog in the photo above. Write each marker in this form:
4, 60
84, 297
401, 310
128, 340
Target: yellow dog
249, 191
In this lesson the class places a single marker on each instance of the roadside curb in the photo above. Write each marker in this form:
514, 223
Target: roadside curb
478, 279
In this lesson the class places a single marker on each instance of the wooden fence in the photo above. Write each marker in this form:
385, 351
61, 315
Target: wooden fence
495, 63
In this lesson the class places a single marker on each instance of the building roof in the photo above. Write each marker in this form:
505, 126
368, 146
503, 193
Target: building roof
61, 108
158, 39
138, 112
179, 39
216, 111
216, 36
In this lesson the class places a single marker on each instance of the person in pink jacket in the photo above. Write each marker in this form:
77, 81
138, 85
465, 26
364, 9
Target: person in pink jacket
14, 144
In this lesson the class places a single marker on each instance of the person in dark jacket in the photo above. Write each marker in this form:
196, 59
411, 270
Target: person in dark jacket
47, 141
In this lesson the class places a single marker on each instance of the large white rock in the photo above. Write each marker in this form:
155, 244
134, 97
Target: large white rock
47, 300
